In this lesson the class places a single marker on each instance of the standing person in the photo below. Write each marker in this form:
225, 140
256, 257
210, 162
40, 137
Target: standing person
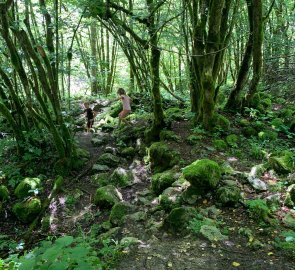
126, 105
90, 114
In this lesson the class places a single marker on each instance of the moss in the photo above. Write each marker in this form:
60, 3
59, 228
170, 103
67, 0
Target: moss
258, 210
283, 164
108, 159
4, 193
121, 178
118, 212
58, 184
220, 144
229, 195
28, 210
290, 196
232, 140
26, 187
116, 108
203, 173
162, 157
107, 196
178, 219
268, 135
168, 135
161, 181
221, 122
244, 122
128, 152
174, 114
100, 168
249, 131
194, 139
192, 194
82, 153
100, 179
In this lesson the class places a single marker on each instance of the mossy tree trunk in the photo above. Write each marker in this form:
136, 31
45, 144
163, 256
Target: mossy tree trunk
210, 37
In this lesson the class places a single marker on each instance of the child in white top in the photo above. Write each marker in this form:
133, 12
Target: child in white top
126, 105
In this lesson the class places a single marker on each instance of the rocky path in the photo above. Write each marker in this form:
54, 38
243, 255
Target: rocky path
158, 250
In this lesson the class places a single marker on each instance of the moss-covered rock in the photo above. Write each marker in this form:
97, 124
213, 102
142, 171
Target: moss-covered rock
229, 195
116, 108
282, 164
244, 122
4, 193
220, 144
107, 196
28, 210
162, 157
128, 152
119, 212
290, 196
194, 139
203, 174
268, 135
161, 181
221, 122
178, 219
121, 178
108, 159
249, 131
277, 123
232, 140
98, 168
255, 101
168, 135
191, 195
27, 187
170, 198
100, 179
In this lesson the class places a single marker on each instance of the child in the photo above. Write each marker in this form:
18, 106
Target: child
90, 115
126, 105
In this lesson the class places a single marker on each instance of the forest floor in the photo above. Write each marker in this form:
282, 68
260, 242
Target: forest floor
73, 212
157, 249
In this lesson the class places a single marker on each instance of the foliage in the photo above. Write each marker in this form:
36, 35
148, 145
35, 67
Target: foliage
67, 253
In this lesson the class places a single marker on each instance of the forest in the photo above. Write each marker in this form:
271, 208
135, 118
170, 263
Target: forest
147, 134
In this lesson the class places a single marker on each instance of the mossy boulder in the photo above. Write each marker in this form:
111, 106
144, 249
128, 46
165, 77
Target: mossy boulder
290, 196
220, 145
194, 139
268, 135
128, 152
203, 174
162, 157
244, 122
191, 195
119, 212
4, 193
228, 195
107, 196
178, 219
108, 159
28, 210
249, 131
100, 179
282, 164
232, 140
97, 168
221, 122
121, 178
27, 187
168, 135
277, 123
170, 198
163, 180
